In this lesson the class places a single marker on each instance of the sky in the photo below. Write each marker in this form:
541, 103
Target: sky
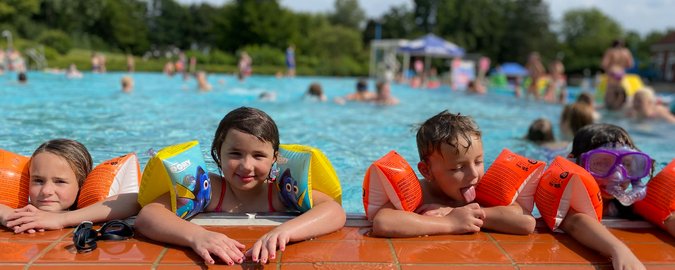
642, 16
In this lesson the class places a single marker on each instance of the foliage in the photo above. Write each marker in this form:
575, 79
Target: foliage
586, 33
348, 13
57, 40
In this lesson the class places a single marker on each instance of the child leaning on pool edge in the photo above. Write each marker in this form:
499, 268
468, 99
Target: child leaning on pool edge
245, 147
603, 144
451, 154
58, 169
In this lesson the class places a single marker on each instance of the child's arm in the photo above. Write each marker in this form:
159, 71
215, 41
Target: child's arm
4, 212
670, 224
159, 223
511, 219
390, 222
325, 217
115, 207
591, 233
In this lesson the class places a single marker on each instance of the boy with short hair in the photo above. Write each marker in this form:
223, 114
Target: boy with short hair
451, 161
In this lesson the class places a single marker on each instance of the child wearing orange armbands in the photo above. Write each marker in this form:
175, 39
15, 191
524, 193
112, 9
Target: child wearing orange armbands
611, 158
56, 180
451, 154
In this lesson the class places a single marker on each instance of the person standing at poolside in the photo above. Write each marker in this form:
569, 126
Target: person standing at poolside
131, 64
290, 60
244, 65
615, 62
537, 71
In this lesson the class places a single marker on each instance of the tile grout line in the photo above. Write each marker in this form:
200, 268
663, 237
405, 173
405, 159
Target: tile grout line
155, 264
44, 251
393, 253
496, 243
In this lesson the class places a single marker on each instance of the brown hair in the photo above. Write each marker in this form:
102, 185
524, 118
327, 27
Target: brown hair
315, 90
445, 127
250, 121
73, 152
540, 131
576, 116
586, 98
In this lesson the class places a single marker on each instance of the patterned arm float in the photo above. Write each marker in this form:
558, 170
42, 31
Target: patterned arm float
566, 185
511, 178
659, 203
304, 169
390, 179
179, 170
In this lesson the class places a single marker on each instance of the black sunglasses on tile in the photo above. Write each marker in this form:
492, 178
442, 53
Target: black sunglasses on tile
85, 236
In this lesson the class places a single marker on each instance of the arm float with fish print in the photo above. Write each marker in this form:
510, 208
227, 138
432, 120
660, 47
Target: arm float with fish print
179, 170
303, 169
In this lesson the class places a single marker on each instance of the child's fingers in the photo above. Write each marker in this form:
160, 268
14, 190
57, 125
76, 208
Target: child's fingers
223, 255
255, 251
234, 251
264, 255
25, 227
272, 246
282, 243
18, 219
206, 256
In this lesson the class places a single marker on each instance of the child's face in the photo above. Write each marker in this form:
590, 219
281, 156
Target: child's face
245, 160
53, 184
456, 174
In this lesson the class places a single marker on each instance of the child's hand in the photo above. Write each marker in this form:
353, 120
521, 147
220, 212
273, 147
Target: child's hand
466, 219
624, 259
207, 242
266, 246
434, 209
30, 219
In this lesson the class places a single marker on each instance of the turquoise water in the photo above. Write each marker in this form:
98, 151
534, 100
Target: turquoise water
163, 111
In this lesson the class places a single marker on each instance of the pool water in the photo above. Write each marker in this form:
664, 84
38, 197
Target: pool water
163, 111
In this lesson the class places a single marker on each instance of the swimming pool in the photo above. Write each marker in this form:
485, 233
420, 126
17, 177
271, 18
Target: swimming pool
162, 111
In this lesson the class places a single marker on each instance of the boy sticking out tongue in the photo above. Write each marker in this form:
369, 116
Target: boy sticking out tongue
451, 161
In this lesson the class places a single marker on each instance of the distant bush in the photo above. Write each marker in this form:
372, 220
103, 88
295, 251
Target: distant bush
56, 39
265, 55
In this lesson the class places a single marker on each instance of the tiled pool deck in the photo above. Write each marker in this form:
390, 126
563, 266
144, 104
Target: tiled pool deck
349, 248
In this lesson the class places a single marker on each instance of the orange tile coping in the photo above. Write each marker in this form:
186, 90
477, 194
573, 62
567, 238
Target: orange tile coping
348, 248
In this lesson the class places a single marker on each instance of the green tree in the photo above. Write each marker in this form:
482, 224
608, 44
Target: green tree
586, 34
122, 25
167, 24
348, 13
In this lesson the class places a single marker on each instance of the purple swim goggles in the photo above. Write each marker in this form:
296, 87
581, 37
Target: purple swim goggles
619, 171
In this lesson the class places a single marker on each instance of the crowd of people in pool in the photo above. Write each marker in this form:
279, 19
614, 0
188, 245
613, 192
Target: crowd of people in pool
451, 159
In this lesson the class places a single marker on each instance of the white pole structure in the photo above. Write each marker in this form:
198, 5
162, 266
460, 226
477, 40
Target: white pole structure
7, 34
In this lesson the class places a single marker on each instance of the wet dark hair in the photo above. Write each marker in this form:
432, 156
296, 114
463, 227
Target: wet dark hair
540, 131
380, 86
75, 153
617, 93
362, 85
596, 135
250, 121
617, 43
315, 89
22, 77
445, 127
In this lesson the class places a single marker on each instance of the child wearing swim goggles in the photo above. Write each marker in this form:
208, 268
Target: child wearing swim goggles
618, 166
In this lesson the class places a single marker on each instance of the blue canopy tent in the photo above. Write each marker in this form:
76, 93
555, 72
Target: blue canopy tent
512, 69
429, 46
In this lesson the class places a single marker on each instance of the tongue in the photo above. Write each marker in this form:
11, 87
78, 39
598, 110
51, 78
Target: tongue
469, 193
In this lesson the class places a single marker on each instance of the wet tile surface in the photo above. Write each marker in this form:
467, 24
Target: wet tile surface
348, 248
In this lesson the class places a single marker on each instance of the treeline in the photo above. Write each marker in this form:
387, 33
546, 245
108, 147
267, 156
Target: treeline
333, 43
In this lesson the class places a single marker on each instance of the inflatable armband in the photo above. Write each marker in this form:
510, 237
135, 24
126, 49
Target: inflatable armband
14, 179
303, 169
179, 170
564, 185
391, 179
510, 178
116, 176
660, 200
